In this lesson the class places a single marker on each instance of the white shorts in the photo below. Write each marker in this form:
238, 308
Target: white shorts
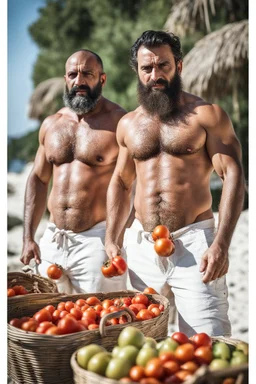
81, 255
201, 307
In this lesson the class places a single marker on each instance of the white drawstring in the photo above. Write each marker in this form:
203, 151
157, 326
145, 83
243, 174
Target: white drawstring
61, 237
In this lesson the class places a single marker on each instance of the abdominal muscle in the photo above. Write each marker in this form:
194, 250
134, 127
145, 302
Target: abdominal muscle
77, 200
176, 194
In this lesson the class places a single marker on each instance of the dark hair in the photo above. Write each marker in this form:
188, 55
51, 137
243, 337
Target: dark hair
100, 62
151, 39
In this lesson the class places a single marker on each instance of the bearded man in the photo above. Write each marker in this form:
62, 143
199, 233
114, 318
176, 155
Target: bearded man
171, 144
78, 151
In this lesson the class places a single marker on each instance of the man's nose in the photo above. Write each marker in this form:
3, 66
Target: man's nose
80, 79
155, 74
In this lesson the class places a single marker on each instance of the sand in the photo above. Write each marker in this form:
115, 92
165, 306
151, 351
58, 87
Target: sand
237, 277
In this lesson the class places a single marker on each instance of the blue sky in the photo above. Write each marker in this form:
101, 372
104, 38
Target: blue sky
22, 53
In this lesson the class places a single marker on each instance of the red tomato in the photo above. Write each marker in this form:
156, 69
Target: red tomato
190, 366
68, 305
144, 314
160, 231
180, 337
202, 339
85, 307
156, 311
120, 264
30, 325
150, 380
42, 327
10, 292
183, 375
56, 315
184, 352
25, 318
104, 312
61, 306
170, 367
203, 355
126, 301
108, 269
77, 313
154, 368
167, 356
15, 322
140, 298
93, 326
63, 314
137, 373
67, 325
107, 303
54, 271
98, 308
81, 327
50, 308
93, 300
153, 306
42, 315
150, 291
53, 331
80, 302
123, 319
19, 290
164, 247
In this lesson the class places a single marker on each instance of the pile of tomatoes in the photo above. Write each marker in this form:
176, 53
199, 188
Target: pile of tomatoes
143, 360
17, 290
85, 314
164, 245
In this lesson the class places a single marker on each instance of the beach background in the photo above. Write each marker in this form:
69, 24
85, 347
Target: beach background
237, 277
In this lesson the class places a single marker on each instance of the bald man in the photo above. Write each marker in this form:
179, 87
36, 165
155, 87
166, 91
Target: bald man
78, 151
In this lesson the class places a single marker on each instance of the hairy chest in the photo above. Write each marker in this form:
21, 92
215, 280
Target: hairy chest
149, 140
82, 142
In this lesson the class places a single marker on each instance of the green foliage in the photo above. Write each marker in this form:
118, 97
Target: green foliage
108, 27
23, 148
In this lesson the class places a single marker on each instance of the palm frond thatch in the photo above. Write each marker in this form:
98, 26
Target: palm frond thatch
184, 16
44, 97
218, 62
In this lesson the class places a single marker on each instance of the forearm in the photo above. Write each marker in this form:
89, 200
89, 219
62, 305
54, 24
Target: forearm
118, 211
231, 205
34, 205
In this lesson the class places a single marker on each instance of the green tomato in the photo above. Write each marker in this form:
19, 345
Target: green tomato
159, 345
238, 358
131, 336
84, 354
243, 347
117, 368
145, 354
128, 353
168, 345
99, 362
220, 350
115, 351
149, 342
218, 364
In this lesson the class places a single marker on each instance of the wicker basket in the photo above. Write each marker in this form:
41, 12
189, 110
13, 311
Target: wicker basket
33, 283
43, 359
202, 376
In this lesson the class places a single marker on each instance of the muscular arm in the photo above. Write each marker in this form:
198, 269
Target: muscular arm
225, 153
35, 200
119, 194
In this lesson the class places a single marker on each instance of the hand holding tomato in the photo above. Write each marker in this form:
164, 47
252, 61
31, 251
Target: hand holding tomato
114, 267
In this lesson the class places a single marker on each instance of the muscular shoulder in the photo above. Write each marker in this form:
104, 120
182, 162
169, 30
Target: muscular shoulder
213, 117
51, 121
114, 110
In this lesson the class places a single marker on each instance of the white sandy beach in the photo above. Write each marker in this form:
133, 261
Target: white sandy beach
237, 277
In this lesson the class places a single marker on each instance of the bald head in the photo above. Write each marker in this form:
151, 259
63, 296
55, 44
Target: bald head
87, 55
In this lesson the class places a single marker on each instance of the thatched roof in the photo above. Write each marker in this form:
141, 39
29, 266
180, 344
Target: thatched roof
217, 62
185, 15
44, 96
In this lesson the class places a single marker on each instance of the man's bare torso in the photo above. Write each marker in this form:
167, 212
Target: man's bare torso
172, 166
83, 154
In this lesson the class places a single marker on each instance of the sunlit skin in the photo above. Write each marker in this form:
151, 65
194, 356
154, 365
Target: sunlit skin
79, 153
173, 162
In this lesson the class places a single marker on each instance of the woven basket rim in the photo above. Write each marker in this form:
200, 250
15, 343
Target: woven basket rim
46, 285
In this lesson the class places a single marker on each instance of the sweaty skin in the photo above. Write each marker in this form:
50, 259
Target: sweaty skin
173, 163
79, 153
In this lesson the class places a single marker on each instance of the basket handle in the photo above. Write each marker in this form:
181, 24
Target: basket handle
125, 311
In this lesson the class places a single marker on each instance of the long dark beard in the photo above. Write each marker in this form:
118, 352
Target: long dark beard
161, 102
82, 104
